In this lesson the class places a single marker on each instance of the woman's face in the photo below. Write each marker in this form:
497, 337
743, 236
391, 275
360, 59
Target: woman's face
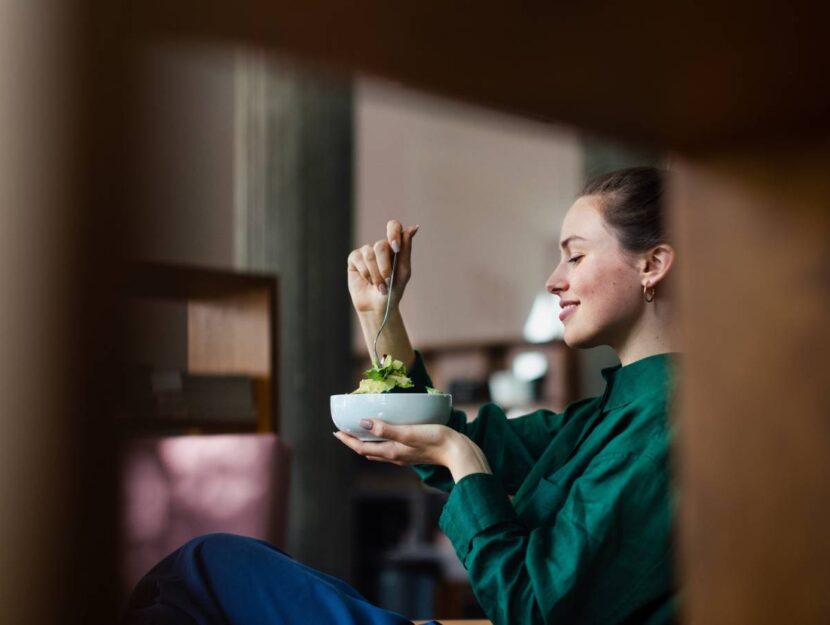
598, 276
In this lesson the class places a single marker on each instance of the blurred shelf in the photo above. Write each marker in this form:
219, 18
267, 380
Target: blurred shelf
231, 324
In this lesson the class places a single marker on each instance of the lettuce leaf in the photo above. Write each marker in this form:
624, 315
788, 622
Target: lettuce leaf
385, 376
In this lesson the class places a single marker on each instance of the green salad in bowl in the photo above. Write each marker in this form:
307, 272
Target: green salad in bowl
386, 375
374, 399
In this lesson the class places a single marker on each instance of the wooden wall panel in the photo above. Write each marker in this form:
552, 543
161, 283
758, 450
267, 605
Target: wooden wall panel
754, 425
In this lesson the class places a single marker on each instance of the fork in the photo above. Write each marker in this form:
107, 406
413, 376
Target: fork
385, 314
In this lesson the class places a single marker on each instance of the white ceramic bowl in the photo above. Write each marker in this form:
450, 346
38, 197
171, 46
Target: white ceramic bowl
395, 408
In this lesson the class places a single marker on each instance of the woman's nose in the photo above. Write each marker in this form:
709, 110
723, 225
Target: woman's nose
556, 283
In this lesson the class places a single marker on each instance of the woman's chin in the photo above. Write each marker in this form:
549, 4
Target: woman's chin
579, 340
572, 339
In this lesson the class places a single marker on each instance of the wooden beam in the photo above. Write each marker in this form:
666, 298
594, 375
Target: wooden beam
682, 74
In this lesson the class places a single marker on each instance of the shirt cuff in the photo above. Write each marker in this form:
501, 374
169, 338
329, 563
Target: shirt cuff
476, 503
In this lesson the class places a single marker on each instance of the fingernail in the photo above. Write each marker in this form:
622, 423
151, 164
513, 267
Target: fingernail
389, 281
366, 424
383, 288
396, 247
415, 229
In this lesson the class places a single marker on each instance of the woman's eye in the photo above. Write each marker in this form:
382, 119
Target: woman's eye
574, 259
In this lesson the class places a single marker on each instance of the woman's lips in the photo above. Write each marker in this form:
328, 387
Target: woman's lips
566, 311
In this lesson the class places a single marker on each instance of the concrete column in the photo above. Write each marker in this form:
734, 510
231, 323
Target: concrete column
294, 210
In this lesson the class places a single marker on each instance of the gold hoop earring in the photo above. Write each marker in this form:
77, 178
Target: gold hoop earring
648, 293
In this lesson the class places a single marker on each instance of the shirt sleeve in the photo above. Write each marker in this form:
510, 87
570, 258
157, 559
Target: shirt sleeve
601, 541
512, 446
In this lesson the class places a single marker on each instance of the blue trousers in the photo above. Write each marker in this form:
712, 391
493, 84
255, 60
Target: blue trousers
223, 579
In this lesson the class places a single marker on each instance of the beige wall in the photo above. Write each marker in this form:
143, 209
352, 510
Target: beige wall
489, 192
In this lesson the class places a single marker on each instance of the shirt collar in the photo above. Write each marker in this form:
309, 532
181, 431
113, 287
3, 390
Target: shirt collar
623, 384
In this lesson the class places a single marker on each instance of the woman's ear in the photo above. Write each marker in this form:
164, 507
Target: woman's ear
657, 262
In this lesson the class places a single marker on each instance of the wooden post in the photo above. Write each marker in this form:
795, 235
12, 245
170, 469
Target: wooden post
35, 470
58, 124
754, 429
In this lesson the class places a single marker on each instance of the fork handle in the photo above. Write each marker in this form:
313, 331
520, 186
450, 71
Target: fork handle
388, 305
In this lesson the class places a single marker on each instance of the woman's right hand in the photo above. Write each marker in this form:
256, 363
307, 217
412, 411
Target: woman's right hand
370, 269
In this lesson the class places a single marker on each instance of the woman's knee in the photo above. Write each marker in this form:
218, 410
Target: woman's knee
227, 546
219, 540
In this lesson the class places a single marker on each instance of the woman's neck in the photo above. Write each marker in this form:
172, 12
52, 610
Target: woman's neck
654, 333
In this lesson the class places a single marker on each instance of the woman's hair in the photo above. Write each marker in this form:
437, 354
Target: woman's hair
631, 202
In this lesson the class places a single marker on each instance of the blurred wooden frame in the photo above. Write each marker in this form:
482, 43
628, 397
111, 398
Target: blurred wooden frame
734, 88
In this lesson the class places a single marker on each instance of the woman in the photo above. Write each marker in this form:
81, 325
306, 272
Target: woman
586, 537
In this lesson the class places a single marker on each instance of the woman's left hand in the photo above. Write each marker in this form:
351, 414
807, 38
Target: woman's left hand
419, 444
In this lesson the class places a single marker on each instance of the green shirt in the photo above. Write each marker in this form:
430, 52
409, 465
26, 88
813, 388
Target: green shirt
587, 537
